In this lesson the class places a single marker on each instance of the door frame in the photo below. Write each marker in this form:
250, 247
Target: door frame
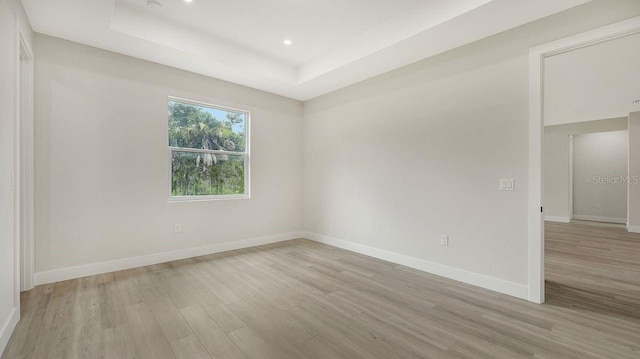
537, 56
24, 159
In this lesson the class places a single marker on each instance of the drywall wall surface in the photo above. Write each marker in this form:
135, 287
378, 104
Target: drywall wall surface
600, 176
596, 82
102, 167
556, 164
557, 186
634, 170
7, 118
12, 20
396, 161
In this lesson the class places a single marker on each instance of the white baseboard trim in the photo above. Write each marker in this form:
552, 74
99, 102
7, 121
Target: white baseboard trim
7, 329
498, 285
584, 217
57, 275
557, 219
633, 229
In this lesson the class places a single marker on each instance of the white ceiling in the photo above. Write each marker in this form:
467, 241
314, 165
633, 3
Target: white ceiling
335, 42
593, 83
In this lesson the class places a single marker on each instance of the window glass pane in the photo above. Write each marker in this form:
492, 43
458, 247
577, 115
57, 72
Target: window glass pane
207, 128
194, 174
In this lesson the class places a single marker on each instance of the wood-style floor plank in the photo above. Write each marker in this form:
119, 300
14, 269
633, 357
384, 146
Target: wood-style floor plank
301, 299
189, 348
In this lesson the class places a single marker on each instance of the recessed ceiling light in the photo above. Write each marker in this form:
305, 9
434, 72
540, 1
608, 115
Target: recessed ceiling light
188, 0
287, 42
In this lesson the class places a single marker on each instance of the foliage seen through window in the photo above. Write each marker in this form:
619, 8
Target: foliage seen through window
208, 150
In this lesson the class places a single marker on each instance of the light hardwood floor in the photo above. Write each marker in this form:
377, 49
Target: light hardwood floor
593, 267
301, 299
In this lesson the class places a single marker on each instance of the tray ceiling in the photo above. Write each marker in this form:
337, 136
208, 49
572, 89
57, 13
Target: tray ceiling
334, 43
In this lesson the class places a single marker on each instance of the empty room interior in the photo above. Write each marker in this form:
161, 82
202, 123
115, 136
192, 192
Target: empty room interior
319, 179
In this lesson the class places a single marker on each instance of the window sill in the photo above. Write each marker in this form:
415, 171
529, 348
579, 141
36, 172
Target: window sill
207, 198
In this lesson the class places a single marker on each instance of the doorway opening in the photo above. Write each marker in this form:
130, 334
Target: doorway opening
585, 102
586, 172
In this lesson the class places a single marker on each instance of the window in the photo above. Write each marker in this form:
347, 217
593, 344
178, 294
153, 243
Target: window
208, 151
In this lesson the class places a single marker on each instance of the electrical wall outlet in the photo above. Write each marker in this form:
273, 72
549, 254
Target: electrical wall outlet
444, 240
507, 184
177, 228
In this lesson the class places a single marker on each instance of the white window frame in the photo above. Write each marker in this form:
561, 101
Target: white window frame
246, 153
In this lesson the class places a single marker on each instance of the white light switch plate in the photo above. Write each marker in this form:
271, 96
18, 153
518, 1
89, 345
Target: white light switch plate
444, 240
507, 184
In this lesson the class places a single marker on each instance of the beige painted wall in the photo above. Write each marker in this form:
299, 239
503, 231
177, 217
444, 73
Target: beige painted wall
556, 162
102, 166
10, 12
592, 83
395, 161
599, 176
